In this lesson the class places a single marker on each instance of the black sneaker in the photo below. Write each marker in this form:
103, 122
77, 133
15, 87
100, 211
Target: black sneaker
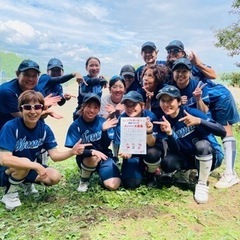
150, 179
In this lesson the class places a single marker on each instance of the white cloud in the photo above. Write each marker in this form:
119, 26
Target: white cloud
112, 30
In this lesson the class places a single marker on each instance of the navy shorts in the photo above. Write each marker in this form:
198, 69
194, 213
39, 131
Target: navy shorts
31, 177
133, 168
224, 110
106, 169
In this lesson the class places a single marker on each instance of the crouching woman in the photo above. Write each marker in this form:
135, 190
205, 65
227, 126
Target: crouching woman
190, 138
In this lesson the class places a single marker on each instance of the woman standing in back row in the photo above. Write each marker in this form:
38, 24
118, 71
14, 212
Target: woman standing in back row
93, 82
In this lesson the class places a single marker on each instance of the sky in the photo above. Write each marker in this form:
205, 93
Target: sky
113, 31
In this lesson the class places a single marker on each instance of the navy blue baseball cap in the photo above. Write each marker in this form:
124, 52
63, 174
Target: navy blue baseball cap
133, 96
54, 63
149, 45
175, 44
127, 70
182, 61
170, 91
28, 64
91, 96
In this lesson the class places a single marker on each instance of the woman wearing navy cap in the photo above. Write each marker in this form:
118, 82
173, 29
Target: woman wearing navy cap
134, 166
98, 131
190, 137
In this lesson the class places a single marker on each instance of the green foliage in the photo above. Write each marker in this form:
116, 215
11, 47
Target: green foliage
233, 79
9, 63
229, 37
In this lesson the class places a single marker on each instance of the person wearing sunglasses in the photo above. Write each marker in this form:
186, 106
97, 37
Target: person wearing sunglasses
175, 50
21, 140
222, 107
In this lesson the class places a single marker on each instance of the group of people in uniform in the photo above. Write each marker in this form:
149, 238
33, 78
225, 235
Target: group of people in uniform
184, 110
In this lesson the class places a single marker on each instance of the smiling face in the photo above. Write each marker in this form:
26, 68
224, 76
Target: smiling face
181, 76
133, 109
117, 91
169, 105
28, 79
90, 111
93, 67
31, 113
149, 55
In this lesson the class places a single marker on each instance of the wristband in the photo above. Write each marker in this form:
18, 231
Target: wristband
149, 132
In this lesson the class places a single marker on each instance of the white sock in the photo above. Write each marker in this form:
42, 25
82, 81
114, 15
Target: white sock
205, 164
229, 145
86, 172
152, 167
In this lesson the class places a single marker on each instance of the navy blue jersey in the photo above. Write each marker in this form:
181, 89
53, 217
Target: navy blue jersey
189, 89
222, 105
9, 93
95, 85
90, 132
46, 87
24, 142
186, 137
145, 113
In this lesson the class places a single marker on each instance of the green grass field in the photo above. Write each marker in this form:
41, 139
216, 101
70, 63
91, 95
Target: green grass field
169, 212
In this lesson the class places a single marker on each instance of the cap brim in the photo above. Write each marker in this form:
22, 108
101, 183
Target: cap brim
173, 46
93, 98
49, 68
169, 94
183, 64
130, 99
24, 69
128, 73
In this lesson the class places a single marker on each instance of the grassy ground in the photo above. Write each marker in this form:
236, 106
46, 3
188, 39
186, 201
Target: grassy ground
168, 212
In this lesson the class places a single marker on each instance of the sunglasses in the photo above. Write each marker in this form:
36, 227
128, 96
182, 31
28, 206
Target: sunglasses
30, 107
174, 50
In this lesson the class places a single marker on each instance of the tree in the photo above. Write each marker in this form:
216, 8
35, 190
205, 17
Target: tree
229, 37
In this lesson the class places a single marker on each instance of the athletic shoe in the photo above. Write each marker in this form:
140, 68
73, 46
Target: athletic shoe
186, 176
83, 186
11, 200
28, 188
201, 193
227, 180
150, 179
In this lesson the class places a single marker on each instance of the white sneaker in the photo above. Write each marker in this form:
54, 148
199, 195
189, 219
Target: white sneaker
28, 188
11, 200
227, 180
201, 193
83, 186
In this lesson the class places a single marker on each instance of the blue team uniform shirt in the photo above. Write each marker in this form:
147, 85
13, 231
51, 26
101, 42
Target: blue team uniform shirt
46, 88
186, 137
90, 132
9, 93
222, 104
189, 89
24, 142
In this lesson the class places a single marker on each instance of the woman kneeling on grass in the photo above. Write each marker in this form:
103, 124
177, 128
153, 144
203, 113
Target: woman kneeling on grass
21, 141
190, 139
98, 131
